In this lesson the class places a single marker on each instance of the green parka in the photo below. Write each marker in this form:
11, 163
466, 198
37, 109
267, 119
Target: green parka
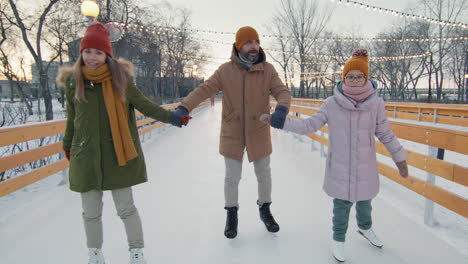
93, 162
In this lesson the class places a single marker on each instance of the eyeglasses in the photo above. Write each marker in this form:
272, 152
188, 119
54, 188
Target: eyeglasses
355, 78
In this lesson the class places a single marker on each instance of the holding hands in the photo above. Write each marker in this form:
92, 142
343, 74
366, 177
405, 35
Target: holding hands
279, 116
180, 117
276, 119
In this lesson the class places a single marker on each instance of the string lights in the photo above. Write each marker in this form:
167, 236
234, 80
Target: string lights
402, 14
169, 31
380, 59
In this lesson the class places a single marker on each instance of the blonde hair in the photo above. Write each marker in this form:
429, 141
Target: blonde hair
118, 73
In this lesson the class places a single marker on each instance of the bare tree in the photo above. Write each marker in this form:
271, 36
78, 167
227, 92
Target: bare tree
305, 21
62, 28
34, 31
398, 75
7, 48
459, 66
286, 49
447, 10
161, 48
123, 11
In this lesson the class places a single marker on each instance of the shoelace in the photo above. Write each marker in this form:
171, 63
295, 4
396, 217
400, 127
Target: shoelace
231, 219
267, 215
137, 255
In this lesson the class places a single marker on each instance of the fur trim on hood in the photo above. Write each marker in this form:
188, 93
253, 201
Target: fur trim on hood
65, 72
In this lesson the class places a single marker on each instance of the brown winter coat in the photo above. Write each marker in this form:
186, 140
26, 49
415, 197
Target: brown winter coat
245, 98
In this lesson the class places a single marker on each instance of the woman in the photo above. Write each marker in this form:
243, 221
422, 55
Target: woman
101, 139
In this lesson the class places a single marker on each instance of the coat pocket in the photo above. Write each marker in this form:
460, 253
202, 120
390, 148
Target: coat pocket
229, 117
78, 148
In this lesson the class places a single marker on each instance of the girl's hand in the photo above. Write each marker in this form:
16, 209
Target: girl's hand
265, 118
403, 168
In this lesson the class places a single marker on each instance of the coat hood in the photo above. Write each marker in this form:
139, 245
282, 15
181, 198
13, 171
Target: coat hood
65, 72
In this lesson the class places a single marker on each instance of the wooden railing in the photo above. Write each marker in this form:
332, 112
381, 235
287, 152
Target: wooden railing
15, 135
451, 114
452, 140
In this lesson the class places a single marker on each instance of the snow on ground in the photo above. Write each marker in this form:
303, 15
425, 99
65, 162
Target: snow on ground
183, 217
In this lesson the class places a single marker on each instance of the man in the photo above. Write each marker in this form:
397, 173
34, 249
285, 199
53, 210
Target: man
246, 83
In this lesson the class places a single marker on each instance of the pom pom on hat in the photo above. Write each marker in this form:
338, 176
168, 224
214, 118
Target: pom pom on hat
360, 52
359, 61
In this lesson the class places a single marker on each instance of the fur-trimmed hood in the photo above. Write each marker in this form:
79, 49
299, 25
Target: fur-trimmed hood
65, 72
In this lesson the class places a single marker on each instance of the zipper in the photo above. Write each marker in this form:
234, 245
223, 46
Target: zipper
243, 111
79, 144
350, 156
78, 147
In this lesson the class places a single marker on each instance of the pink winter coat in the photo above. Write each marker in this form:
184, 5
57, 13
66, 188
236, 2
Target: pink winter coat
351, 173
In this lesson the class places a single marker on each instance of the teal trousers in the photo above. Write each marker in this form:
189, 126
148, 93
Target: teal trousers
341, 210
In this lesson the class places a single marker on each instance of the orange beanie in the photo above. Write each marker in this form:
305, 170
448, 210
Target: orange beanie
358, 61
244, 34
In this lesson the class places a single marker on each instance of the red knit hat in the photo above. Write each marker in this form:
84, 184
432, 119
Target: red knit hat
96, 37
244, 34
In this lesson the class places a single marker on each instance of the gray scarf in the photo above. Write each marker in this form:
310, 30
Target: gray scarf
247, 61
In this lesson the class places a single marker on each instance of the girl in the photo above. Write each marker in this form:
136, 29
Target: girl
101, 138
355, 115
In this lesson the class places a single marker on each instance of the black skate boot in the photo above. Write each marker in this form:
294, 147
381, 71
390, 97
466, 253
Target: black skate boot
268, 219
230, 231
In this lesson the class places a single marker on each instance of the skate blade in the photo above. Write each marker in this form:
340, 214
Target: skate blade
362, 234
340, 261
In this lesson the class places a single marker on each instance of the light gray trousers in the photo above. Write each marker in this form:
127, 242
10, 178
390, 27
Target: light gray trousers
92, 213
233, 177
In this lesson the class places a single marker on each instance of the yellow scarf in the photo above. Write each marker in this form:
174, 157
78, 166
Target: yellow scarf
117, 112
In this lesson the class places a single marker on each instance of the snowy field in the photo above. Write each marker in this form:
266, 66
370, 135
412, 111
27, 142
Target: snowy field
183, 217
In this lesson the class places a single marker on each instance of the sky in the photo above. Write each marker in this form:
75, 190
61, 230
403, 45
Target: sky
227, 16
216, 16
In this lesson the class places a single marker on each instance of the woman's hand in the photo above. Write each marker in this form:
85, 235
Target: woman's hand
185, 119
